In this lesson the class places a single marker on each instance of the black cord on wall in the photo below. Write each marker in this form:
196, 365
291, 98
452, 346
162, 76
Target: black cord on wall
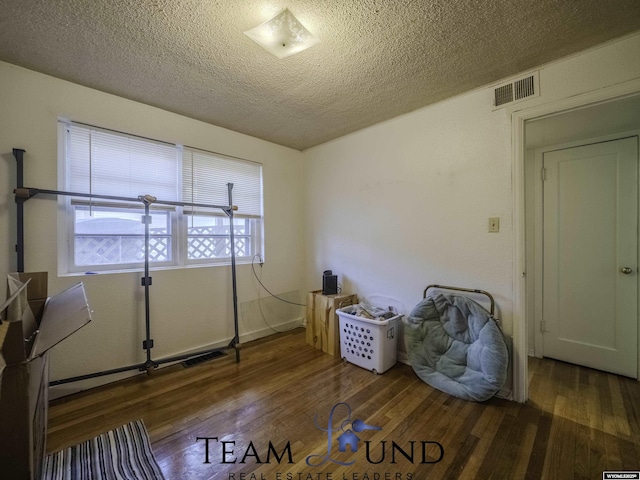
253, 267
253, 262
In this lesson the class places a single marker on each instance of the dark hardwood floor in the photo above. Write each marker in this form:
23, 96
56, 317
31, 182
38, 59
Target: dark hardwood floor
267, 418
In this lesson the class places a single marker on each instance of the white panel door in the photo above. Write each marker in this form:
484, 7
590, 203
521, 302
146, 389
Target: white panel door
590, 256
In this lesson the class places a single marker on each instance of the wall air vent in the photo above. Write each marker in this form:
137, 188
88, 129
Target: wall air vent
516, 90
503, 94
523, 88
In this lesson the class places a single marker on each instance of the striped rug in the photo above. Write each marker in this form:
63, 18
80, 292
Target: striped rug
120, 454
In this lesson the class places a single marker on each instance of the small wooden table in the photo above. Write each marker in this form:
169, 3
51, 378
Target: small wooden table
323, 327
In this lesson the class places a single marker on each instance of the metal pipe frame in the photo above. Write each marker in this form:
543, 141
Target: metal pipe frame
143, 366
22, 194
18, 153
229, 212
460, 289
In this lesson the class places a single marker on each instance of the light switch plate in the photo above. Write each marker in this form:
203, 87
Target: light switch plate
494, 224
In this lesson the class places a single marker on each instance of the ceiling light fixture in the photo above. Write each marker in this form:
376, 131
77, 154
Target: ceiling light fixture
283, 35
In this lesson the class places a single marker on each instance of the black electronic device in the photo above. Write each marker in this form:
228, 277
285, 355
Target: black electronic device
329, 283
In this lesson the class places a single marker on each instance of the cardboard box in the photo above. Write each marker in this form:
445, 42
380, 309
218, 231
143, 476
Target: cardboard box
31, 325
323, 330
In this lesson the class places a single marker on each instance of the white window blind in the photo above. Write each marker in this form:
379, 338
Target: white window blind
109, 163
205, 177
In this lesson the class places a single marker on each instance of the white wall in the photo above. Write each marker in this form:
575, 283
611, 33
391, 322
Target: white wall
190, 308
405, 203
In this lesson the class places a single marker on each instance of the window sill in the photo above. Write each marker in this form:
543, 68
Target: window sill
140, 269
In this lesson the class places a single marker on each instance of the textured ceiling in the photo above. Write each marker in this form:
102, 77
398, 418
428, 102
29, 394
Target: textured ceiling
376, 58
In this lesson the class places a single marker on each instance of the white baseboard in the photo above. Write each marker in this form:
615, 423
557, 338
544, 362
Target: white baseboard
266, 331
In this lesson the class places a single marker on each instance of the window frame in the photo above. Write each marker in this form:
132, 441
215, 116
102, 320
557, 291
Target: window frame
178, 218
72, 236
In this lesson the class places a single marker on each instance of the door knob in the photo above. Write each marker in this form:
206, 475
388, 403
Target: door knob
626, 270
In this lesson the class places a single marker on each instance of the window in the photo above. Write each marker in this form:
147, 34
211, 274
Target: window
204, 180
115, 236
109, 234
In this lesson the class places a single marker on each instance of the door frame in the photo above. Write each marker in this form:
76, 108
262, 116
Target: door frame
518, 146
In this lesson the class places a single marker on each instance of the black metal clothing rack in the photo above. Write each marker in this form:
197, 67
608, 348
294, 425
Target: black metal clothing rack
22, 194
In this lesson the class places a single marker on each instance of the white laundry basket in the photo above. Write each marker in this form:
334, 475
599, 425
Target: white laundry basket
370, 344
